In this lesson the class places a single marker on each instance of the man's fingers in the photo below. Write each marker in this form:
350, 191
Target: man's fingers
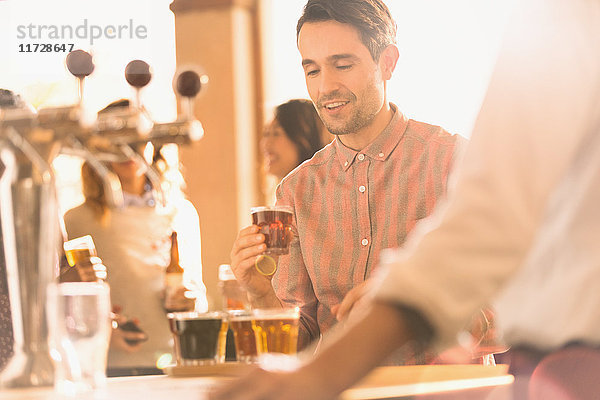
248, 230
346, 305
335, 309
350, 300
246, 242
248, 255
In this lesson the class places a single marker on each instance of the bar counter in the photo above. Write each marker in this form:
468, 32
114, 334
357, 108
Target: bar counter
433, 382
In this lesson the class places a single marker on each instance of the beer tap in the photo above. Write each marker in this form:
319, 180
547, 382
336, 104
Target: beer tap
81, 65
31, 226
122, 130
31, 233
29, 142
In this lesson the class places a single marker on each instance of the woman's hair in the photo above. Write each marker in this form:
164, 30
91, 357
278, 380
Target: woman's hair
302, 125
171, 179
371, 18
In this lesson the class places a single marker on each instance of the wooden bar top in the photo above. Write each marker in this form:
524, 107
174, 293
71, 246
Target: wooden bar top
382, 383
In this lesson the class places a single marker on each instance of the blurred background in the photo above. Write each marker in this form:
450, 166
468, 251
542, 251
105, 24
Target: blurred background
248, 50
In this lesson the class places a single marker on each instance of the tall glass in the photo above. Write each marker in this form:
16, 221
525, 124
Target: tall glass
240, 322
79, 326
276, 330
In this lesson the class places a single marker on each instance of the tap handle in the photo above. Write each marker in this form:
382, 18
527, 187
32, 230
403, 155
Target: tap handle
188, 83
81, 65
138, 74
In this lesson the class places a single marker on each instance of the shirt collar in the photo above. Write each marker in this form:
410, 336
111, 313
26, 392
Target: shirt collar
380, 148
136, 200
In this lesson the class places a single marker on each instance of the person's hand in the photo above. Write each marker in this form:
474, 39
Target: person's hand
264, 385
123, 340
86, 270
249, 245
175, 300
353, 299
485, 337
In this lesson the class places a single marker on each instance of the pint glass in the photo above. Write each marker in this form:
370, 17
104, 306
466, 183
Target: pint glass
276, 330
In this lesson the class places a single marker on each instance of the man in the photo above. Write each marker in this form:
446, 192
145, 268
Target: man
363, 192
522, 224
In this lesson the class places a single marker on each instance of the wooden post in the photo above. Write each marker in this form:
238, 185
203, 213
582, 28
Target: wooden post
222, 170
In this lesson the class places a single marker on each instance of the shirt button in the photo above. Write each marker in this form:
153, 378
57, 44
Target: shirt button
361, 157
346, 164
365, 241
362, 189
381, 155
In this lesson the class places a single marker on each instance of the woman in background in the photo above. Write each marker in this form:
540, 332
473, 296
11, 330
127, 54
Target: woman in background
293, 136
135, 243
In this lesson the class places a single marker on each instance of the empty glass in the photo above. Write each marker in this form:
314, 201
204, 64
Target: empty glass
79, 326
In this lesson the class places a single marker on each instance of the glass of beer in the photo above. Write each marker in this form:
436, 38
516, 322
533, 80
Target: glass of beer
240, 322
276, 330
199, 337
275, 222
79, 250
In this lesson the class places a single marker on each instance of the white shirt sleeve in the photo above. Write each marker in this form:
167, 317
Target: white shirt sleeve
539, 104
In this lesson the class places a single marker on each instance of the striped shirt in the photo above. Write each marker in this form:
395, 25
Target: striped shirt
349, 205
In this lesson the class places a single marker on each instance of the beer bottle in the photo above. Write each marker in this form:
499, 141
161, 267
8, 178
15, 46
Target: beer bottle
174, 272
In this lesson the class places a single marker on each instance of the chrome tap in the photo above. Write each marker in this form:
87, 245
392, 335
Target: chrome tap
32, 237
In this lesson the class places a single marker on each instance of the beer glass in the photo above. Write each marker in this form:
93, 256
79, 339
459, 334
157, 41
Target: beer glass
275, 223
276, 330
199, 337
79, 250
240, 322
79, 326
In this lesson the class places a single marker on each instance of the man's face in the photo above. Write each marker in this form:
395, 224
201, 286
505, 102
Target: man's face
343, 81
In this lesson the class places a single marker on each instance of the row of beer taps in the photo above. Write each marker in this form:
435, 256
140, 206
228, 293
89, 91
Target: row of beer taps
54, 130
29, 142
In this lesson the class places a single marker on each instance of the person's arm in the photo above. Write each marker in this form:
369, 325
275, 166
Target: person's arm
535, 113
383, 328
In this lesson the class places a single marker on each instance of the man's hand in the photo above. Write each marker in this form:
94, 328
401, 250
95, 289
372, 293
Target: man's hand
353, 299
249, 245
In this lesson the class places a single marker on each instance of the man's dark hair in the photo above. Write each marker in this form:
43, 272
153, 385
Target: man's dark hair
371, 18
